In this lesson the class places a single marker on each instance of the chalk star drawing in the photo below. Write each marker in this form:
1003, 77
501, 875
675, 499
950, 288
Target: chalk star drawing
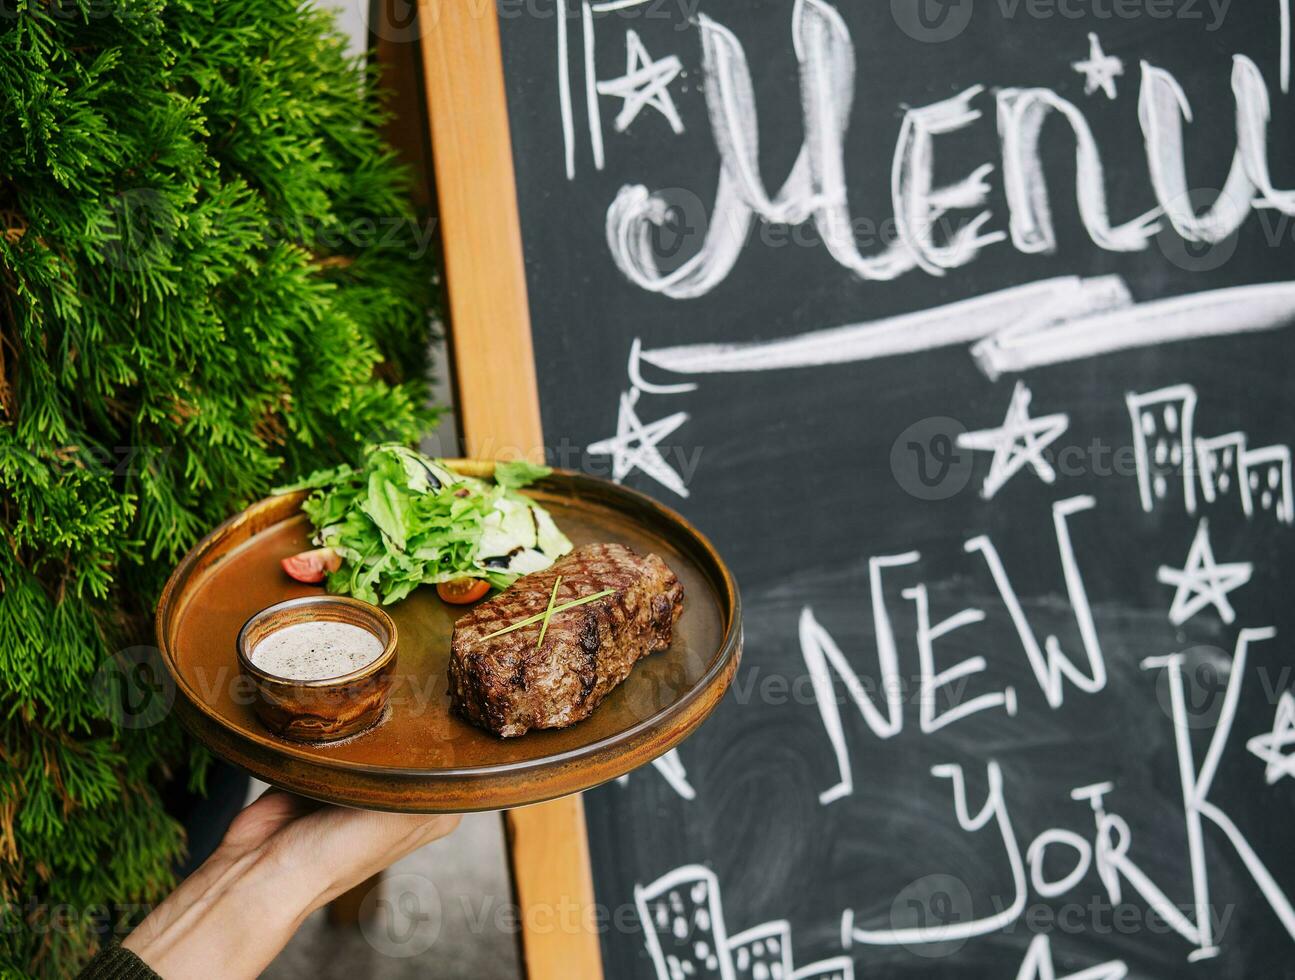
1270, 748
645, 83
1018, 441
635, 445
1202, 582
1099, 69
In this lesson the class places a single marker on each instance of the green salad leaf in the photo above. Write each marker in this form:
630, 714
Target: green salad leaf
519, 473
403, 520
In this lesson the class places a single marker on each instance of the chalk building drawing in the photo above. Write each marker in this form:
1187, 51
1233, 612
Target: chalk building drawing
1166, 453
1218, 460
762, 953
683, 927
1162, 444
1265, 476
836, 968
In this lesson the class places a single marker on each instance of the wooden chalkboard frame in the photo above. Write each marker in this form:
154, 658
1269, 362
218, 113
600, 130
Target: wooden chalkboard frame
499, 410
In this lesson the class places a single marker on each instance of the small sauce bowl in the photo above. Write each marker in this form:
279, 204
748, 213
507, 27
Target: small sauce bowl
328, 708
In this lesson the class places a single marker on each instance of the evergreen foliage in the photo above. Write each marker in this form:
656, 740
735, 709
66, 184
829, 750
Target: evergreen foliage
210, 282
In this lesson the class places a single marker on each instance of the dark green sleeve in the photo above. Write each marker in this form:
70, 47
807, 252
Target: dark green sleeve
115, 963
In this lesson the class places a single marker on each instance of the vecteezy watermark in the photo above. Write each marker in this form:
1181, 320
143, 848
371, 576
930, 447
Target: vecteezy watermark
415, 694
772, 688
113, 461
932, 21
134, 688
400, 234
394, 20
931, 459
82, 12
141, 229
39, 918
406, 914
566, 454
1210, 12
1195, 252
933, 906
937, 21
927, 461
402, 916
929, 916
1205, 671
1099, 916
678, 217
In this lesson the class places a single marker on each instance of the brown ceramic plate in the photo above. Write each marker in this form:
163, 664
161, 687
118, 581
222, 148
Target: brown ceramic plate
422, 759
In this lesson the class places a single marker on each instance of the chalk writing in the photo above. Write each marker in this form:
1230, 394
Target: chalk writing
1198, 475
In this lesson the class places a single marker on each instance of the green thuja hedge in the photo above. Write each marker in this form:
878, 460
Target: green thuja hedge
210, 281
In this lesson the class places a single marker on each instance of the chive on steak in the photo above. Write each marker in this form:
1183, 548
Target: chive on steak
509, 683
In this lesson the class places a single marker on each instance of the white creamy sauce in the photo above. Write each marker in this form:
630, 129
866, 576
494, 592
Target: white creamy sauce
313, 651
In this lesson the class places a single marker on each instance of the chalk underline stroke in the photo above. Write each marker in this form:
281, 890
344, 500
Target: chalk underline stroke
1051, 321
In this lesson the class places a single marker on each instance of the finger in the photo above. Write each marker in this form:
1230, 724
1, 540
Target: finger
361, 843
395, 832
267, 814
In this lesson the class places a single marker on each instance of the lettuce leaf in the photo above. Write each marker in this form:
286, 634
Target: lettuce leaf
403, 520
517, 473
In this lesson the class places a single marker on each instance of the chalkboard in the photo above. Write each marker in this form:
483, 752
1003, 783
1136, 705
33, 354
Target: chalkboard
961, 329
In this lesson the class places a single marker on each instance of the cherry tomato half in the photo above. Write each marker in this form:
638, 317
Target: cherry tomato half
312, 566
461, 591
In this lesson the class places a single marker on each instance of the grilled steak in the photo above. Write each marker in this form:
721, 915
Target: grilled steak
507, 685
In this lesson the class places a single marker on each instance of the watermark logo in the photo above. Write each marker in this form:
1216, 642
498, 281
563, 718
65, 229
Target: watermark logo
676, 217
134, 688
932, 905
1204, 671
1195, 256
931, 21
395, 20
927, 461
402, 916
140, 229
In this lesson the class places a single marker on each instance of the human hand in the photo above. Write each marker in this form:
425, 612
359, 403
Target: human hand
322, 850
282, 858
